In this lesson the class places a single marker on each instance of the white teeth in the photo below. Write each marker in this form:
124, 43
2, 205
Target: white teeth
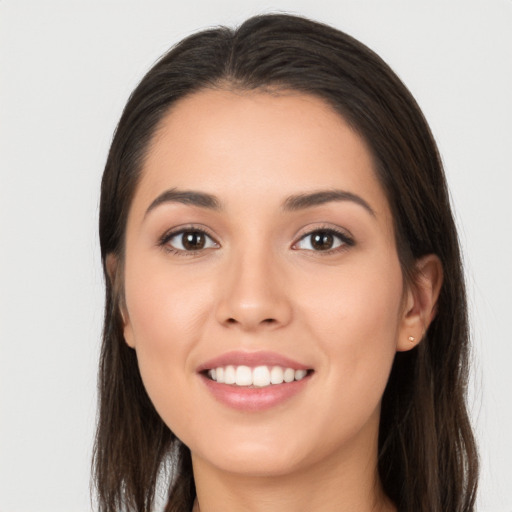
261, 376
289, 375
276, 375
229, 375
300, 374
243, 376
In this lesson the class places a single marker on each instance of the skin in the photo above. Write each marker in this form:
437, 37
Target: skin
260, 285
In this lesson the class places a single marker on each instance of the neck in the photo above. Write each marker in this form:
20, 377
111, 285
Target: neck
345, 482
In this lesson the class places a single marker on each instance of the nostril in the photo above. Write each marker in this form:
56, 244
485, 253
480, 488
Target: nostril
264, 321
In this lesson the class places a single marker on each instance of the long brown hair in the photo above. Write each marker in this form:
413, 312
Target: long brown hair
427, 454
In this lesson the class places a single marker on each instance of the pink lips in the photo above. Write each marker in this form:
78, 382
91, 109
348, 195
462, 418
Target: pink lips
252, 398
252, 359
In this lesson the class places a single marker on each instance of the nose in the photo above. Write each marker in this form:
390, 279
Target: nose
253, 294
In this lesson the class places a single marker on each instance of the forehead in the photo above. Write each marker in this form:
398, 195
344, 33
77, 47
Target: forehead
256, 143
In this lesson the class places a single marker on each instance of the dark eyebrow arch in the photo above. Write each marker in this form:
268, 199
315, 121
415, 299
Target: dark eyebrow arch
302, 201
292, 203
191, 197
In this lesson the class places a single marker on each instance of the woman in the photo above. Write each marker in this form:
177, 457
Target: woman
285, 323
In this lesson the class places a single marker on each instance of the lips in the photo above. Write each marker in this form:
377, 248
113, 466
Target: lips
252, 359
253, 381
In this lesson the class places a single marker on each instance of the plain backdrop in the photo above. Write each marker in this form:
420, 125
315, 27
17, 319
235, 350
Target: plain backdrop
66, 70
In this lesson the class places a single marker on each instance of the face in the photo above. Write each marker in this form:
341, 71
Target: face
260, 245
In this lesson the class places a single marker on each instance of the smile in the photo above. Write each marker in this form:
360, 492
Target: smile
254, 381
261, 376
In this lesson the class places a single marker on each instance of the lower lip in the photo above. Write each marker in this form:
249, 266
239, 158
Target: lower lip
252, 398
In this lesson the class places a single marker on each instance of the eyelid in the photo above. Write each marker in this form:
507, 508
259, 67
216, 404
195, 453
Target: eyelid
163, 241
342, 234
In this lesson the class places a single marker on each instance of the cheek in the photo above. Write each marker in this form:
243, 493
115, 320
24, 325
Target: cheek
167, 313
356, 322
164, 303
357, 305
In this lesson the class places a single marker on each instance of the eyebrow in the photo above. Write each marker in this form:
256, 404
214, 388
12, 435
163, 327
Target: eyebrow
303, 201
190, 197
291, 203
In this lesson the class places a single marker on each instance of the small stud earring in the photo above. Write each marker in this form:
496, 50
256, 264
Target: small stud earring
411, 339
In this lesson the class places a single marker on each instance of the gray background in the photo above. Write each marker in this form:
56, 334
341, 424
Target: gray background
66, 70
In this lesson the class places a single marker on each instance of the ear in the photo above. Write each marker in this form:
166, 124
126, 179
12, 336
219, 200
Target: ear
114, 274
420, 302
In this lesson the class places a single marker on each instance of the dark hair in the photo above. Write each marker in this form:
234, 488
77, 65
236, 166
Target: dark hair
427, 454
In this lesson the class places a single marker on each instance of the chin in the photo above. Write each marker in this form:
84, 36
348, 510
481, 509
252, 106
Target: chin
261, 454
255, 463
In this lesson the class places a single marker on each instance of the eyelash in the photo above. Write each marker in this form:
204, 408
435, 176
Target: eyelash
346, 240
164, 240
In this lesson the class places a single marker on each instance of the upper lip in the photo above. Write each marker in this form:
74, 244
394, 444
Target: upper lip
252, 359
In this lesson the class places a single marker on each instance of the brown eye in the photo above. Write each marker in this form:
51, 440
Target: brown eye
193, 240
323, 240
190, 241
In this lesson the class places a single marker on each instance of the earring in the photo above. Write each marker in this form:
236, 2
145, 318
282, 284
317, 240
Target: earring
411, 339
